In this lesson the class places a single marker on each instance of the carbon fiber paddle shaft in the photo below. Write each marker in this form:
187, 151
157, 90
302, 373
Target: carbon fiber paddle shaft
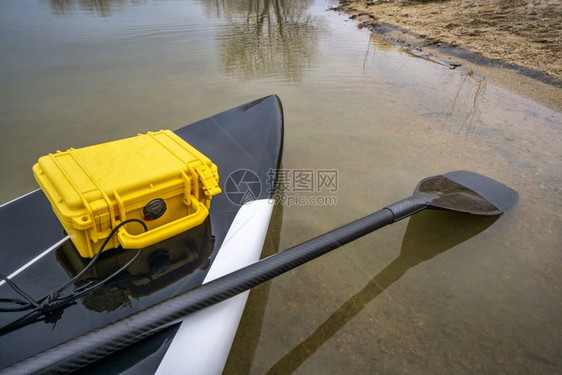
99, 343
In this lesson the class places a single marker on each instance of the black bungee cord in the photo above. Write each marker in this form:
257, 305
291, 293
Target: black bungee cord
63, 296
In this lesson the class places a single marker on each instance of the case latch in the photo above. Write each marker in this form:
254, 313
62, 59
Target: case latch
208, 180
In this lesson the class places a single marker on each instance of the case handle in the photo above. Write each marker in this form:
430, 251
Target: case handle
137, 241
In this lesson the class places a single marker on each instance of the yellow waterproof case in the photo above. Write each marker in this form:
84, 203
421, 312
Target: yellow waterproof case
155, 177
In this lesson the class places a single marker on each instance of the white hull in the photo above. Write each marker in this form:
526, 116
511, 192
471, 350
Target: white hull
204, 339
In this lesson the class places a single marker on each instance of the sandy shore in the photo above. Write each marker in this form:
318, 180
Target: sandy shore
518, 42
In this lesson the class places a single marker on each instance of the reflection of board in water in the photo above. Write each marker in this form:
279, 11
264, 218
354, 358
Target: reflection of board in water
157, 267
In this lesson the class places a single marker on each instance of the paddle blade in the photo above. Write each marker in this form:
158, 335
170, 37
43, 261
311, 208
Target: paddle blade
470, 192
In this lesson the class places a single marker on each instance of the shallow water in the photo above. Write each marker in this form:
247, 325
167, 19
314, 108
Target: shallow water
438, 293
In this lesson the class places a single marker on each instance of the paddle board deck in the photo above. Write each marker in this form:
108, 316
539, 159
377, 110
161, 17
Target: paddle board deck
246, 144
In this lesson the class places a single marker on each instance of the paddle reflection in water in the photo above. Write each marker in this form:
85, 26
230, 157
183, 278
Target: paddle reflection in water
265, 38
429, 233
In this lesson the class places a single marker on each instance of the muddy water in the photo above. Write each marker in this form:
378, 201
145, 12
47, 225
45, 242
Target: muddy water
438, 293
